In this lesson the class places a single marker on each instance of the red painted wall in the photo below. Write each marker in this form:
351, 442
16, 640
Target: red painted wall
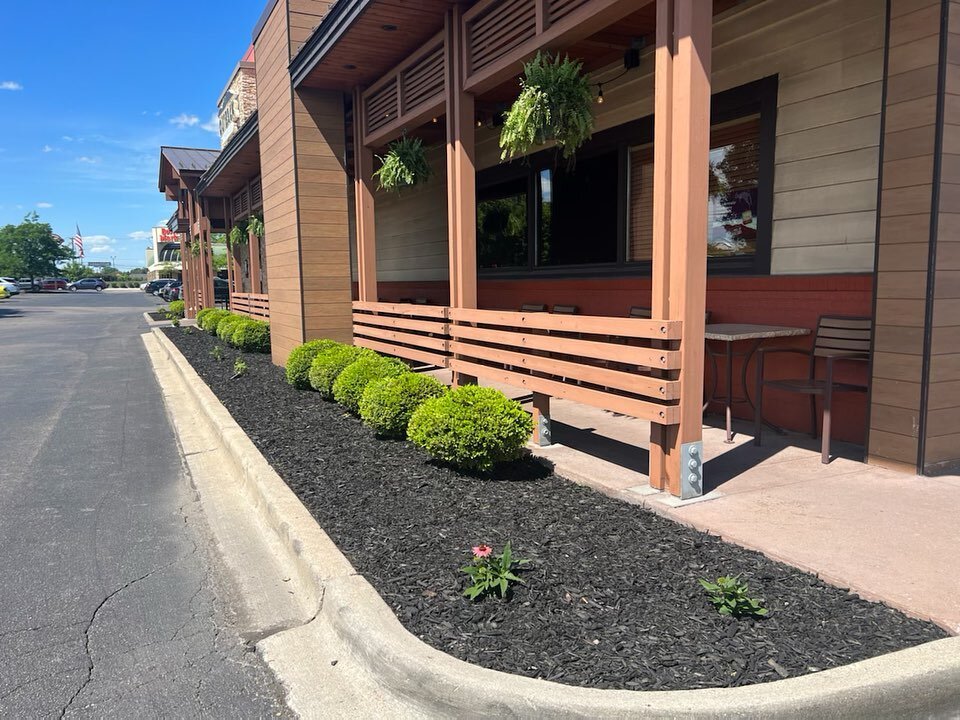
795, 300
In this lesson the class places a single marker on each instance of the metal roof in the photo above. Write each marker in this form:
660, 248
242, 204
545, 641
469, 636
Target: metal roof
189, 159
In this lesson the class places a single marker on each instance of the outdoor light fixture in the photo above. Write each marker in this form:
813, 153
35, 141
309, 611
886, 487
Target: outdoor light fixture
349, 66
389, 27
600, 94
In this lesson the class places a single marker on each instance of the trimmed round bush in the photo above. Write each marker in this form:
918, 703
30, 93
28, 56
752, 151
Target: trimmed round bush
176, 308
252, 336
201, 314
300, 359
349, 386
329, 363
386, 405
471, 428
227, 325
213, 318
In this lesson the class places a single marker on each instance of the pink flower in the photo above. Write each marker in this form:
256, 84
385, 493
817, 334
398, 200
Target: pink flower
482, 551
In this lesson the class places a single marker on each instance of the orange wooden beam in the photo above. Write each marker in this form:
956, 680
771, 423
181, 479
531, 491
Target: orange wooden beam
365, 208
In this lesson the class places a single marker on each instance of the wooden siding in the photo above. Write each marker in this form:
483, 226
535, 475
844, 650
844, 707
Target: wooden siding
279, 190
829, 58
323, 208
904, 237
942, 449
304, 17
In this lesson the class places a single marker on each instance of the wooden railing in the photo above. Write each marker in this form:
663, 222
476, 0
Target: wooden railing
252, 304
624, 365
413, 332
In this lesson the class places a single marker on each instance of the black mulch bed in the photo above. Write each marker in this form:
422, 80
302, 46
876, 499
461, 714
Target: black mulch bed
158, 315
611, 600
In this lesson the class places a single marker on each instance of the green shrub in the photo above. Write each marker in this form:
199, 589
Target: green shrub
471, 428
252, 336
212, 319
300, 359
329, 363
201, 314
349, 386
176, 309
227, 325
386, 405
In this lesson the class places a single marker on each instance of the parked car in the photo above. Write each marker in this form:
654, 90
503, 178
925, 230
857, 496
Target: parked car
153, 286
174, 293
50, 283
10, 285
87, 284
168, 288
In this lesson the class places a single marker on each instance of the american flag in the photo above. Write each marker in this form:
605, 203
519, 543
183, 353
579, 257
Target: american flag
78, 242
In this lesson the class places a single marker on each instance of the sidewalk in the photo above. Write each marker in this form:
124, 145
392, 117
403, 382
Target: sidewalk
886, 535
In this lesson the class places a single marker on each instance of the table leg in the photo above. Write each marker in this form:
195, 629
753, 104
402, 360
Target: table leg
746, 389
716, 375
729, 403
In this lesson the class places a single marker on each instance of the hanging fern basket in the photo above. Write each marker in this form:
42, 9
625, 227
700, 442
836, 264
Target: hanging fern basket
555, 103
404, 165
239, 234
256, 226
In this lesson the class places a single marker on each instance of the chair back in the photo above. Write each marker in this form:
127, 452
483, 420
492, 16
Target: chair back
566, 309
533, 307
842, 335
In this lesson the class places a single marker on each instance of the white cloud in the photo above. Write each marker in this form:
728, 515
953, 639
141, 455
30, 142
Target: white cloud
98, 244
140, 235
10, 85
44, 205
48, 148
88, 160
67, 138
183, 120
212, 125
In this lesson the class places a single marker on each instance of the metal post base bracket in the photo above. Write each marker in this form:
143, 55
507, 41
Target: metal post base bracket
691, 470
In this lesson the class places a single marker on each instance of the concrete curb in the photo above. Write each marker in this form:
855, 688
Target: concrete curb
155, 323
919, 682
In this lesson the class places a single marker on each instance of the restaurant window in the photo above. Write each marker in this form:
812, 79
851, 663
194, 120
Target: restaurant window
733, 201
502, 225
578, 212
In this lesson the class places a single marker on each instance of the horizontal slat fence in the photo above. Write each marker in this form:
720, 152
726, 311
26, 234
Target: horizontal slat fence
414, 332
254, 305
601, 361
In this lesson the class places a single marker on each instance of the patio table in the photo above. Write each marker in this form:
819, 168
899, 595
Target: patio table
728, 334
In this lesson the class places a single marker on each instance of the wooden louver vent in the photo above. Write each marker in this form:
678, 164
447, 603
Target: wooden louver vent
424, 80
503, 26
256, 194
382, 107
558, 9
241, 204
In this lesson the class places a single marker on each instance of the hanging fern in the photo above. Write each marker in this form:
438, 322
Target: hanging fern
256, 226
195, 248
239, 233
555, 103
404, 165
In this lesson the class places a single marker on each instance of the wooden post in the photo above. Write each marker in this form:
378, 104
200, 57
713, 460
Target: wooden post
253, 250
187, 258
542, 433
461, 176
681, 192
207, 252
365, 209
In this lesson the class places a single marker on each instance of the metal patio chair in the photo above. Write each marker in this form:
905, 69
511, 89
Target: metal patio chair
838, 338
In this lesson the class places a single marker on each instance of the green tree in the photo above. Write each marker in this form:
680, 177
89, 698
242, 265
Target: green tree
30, 249
75, 270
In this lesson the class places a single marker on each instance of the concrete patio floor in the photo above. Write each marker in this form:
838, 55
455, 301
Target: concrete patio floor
886, 535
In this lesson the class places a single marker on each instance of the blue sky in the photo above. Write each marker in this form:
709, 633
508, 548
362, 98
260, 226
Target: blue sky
89, 90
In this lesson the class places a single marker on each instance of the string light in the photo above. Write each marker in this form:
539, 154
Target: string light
600, 94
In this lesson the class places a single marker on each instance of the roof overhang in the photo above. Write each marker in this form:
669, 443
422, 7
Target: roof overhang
359, 41
237, 164
186, 164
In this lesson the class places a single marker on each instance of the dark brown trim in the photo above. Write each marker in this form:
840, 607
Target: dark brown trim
262, 21
876, 238
934, 227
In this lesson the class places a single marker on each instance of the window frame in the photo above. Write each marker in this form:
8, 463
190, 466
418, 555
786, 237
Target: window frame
756, 97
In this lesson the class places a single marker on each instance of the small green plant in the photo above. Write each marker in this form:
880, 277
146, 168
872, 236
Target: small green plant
251, 336
239, 233
349, 386
239, 368
555, 103
491, 573
471, 428
217, 353
386, 405
732, 597
255, 226
227, 325
195, 247
176, 309
212, 319
329, 363
404, 165
300, 359
175, 321
201, 314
